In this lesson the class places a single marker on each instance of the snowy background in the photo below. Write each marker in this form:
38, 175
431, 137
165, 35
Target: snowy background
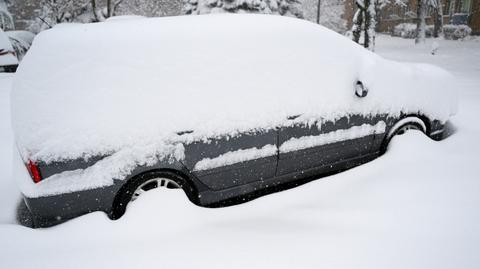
415, 207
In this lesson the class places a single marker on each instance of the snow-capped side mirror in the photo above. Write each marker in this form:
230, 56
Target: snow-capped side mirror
360, 90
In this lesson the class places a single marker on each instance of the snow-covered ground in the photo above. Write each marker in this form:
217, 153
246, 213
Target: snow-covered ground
418, 206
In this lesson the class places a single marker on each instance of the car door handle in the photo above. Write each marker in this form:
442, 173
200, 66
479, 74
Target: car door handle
293, 117
184, 132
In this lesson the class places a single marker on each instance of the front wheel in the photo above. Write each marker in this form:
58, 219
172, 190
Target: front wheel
401, 128
410, 126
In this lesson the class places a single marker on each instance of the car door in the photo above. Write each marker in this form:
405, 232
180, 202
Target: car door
233, 160
321, 145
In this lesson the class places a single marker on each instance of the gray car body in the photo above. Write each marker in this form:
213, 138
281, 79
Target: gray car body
237, 182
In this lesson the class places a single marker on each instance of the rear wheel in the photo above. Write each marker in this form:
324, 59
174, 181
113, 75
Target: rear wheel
163, 183
141, 184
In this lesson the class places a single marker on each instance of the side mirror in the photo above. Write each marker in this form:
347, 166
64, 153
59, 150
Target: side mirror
360, 90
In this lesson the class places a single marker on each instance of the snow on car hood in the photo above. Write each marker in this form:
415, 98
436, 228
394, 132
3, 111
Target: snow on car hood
99, 88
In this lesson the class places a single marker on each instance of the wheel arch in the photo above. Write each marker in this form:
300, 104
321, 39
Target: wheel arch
418, 119
180, 177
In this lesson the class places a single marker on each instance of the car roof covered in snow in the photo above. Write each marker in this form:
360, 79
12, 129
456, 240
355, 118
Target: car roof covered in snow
97, 88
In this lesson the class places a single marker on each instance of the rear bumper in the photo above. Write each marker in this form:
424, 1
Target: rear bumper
49, 210
52, 210
9, 68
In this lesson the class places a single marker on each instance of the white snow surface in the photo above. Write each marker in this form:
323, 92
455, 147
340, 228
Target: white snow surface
101, 88
354, 132
237, 156
416, 207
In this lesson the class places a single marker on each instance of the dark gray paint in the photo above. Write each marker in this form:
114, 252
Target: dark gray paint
235, 174
53, 168
326, 154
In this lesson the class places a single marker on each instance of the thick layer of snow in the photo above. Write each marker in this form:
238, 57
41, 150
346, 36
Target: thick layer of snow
237, 156
106, 87
336, 136
117, 166
416, 207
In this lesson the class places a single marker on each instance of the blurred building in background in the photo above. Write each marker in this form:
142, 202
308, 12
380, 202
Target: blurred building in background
457, 12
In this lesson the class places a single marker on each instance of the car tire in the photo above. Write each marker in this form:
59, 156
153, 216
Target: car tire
402, 127
142, 183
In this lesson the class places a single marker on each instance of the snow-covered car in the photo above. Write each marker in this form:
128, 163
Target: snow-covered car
225, 107
8, 57
21, 42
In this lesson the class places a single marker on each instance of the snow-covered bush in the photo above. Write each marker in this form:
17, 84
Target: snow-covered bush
405, 30
452, 32
408, 30
455, 32
281, 7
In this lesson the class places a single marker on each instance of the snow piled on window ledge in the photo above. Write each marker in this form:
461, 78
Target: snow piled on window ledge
305, 142
234, 157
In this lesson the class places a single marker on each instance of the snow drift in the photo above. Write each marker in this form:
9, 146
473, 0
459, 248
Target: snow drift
106, 87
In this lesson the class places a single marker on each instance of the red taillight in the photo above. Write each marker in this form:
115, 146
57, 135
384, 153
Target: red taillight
34, 171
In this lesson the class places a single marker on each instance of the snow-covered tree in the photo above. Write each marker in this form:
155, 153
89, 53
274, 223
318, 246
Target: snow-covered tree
422, 6
438, 17
421, 24
6, 19
104, 9
364, 24
59, 11
282, 7
330, 14
290, 8
365, 20
151, 8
